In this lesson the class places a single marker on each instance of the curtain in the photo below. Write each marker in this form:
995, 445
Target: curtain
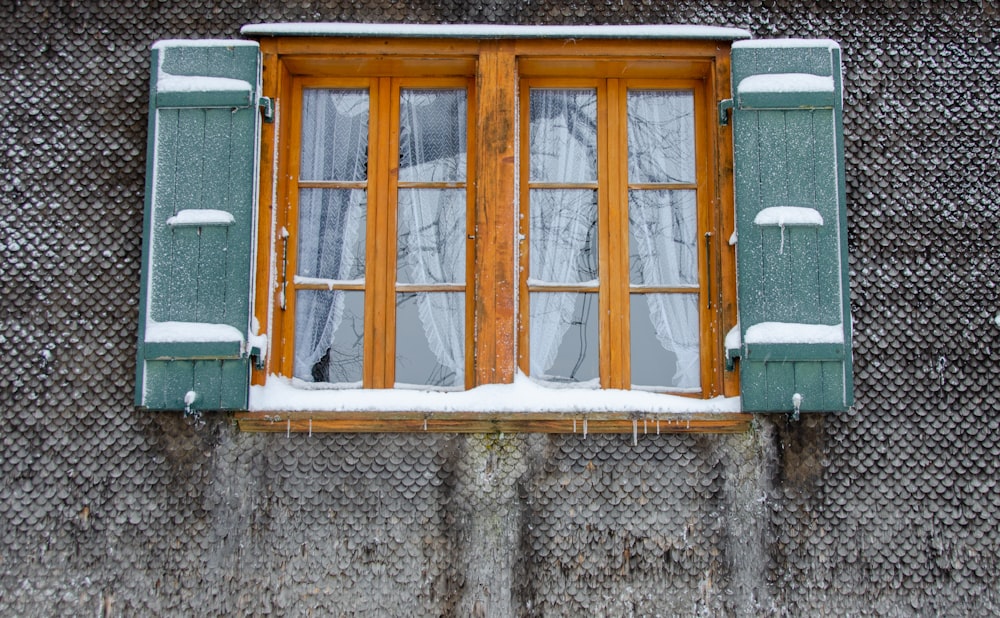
331, 226
563, 222
664, 223
431, 222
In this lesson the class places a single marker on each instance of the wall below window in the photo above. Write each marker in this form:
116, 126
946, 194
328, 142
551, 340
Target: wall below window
889, 509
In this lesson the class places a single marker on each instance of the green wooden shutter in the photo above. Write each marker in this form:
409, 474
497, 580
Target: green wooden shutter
791, 222
194, 308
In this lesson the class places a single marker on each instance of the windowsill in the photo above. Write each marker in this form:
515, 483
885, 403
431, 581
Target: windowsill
521, 406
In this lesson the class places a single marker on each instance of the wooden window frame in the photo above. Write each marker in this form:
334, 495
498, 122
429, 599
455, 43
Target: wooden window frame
494, 285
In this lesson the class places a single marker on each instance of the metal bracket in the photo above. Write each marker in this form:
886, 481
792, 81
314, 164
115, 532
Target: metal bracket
266, 105
257, 357
724, 106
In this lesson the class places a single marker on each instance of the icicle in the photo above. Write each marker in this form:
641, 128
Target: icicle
574, 425
635, 432
310, 428
288, 427
645, 428
657, 426
425, 423
585, 428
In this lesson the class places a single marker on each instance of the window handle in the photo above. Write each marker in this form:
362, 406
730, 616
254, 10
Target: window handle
708, 266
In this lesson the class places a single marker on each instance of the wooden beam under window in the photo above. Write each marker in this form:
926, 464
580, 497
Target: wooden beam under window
492, 422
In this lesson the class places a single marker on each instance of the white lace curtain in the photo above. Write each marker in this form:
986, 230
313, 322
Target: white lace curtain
431, 222
331, 239
663, 223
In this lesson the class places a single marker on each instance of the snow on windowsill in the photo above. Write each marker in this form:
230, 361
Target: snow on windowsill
785, 82
790, 332
170, 332
524, 395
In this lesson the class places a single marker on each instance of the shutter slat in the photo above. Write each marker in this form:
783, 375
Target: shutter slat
788, 153
196, 269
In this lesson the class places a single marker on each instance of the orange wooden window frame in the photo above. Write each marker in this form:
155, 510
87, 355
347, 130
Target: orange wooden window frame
493, 70
612, 187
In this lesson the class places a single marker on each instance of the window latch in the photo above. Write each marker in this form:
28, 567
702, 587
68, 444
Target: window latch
266, 105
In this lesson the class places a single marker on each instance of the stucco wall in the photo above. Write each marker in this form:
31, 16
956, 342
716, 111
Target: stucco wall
891, 509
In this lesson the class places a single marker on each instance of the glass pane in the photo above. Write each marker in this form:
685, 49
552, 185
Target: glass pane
563, 135
432, 126
430, 339
660, 136
564, 341
334, 135
331, 233
663, 237
329, 336
432, 236
665, 341
563, 236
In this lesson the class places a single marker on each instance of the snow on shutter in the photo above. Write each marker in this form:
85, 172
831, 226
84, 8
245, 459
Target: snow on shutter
791, 221
198, 229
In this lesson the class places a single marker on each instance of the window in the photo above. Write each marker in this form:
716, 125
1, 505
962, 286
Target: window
441, 209
377, 233
614, 278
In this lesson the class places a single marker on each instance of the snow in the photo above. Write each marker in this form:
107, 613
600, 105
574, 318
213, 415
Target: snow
786, 82
205, 216
489, 31
524, 395
733, 338
540, 283
786, 43
167, 43
168, 332
791, 332
200, 83
789, 215
329, 283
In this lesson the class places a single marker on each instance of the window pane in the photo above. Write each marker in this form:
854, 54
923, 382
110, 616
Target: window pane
334, 135
660, 136
430, 339
564, 341
329, 336
563, 135
663, 237
331, 233
432, 235
665, 341
563, 236
432, 141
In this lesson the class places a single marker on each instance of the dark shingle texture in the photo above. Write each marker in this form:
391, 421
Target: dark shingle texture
891, 509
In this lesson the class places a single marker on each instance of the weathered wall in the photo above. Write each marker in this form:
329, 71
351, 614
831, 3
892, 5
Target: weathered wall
891, 509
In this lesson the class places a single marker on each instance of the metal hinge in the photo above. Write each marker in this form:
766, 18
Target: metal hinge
724, 106
266, 105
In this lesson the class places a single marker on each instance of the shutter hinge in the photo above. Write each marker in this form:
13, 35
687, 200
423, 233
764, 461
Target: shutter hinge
266, 105
724, 106
257, 356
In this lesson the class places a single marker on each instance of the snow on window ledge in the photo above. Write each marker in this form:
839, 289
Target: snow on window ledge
524, 395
